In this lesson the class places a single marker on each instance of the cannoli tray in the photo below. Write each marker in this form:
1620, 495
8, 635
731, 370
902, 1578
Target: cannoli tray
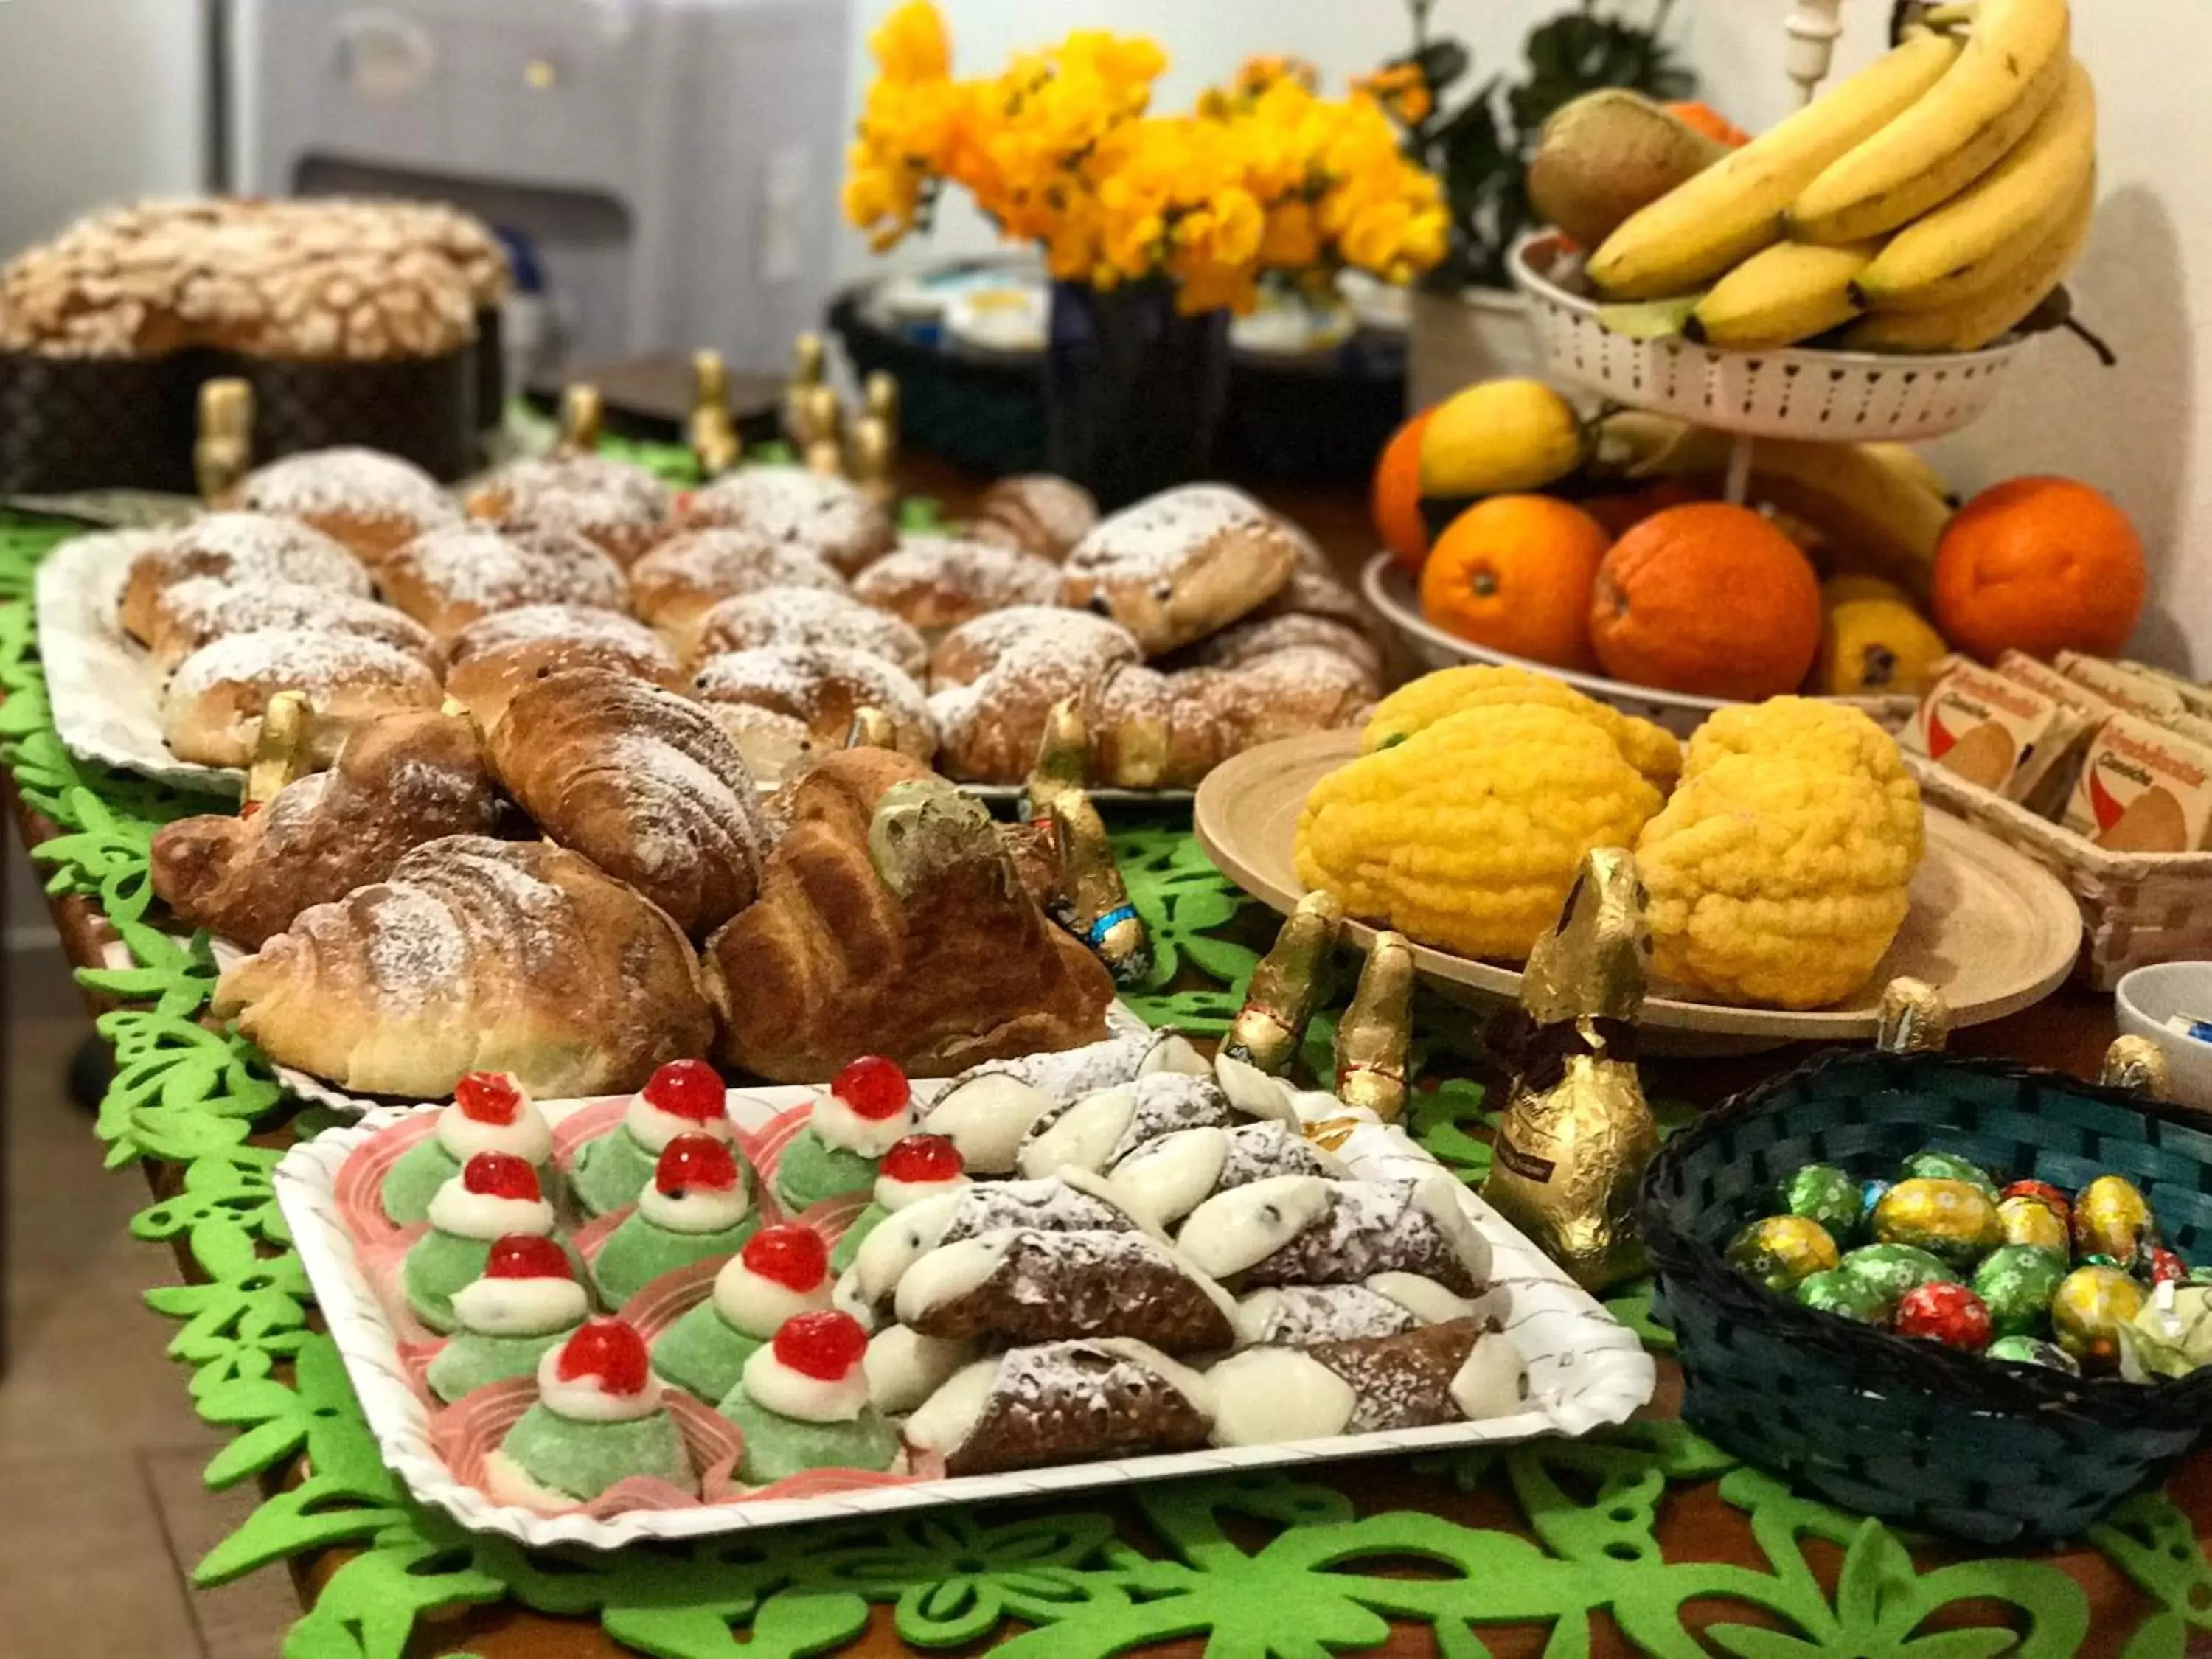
1577, 1369
104, 688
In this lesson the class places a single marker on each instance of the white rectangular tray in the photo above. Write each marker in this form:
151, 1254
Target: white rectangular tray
1586, 1370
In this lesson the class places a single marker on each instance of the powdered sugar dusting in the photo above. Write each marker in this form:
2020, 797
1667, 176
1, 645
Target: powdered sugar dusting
1259, 1152
630, 491
205, 608
489, 571
532, 624
1046, 1205
1301, 1315
803, 679
251, 547
298, 659
790, 504
703, 565
985, 576
415, 949
1157, 536
809, 617
349, 480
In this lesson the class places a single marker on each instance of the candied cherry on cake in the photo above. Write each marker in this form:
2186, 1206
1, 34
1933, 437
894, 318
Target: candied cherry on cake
918, 1158
500, 1174
608, 1349
687, 1088
874, 1087
489, 1097
690, 1161
824, 1345
794, 1256
525, 1255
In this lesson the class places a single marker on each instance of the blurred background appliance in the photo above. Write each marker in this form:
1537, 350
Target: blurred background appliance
666, 170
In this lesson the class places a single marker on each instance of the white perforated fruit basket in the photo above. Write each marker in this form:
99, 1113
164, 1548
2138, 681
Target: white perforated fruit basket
1822, 397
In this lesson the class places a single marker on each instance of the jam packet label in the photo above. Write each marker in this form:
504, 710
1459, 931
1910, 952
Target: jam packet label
2131, 689
2142, 789
2039, 676
1991, 729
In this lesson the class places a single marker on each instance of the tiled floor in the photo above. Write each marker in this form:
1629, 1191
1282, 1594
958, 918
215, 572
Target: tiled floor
102, 1506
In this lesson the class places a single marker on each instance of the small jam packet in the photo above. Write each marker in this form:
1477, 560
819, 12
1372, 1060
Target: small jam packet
2041, 678
2131, 689
1992, 731
2142, 789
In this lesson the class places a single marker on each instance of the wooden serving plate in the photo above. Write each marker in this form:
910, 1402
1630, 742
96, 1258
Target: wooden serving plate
1991, 929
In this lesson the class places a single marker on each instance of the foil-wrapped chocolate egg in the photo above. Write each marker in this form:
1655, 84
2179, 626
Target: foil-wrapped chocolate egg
2044, 1193
2026, 1220
2164, 1266
1946, 1166
1822, 1193
2087, 1309
2015, 1283
2028, 1351
2112, 1217
1871, 1193
1955, 1220
1890, 1270
1841, 1292
1781, 1251
1949, 1314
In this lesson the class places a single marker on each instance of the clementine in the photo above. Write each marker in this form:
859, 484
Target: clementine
1621, 514
2039, 565
1396, 496
1513, 573
1711, 122
1710, 599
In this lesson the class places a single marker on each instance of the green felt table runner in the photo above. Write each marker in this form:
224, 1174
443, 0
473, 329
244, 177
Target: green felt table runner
1270, 1563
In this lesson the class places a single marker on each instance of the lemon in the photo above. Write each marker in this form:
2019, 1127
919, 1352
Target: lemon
1499, 436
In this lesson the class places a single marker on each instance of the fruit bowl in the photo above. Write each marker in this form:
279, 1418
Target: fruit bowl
1799, 391
1391, 589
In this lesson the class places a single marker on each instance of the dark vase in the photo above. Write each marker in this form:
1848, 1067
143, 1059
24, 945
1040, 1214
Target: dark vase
1134, 390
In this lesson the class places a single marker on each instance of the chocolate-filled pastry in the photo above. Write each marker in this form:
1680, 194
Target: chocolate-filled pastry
206, 609
621, 509
1413, 1379
1097, 1131
809, 617
1073, 1203
831, 518
993, 683
1015, 1287
1299, 1315
400, 780
371, 502
449, 578
1039, 512
1180, 565
1172, 1174
211, 709
676, 585
890, 922
988, 1110
244, 549
496, 657
476, 956
1303, 1229
643, 784
938, 582
1062, 1402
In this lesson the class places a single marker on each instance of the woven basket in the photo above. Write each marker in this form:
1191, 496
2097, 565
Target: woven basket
1887, 1425
2136, 908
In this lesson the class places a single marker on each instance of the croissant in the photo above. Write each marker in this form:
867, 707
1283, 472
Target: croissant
476, 956
641, 782
401, 780
890, 922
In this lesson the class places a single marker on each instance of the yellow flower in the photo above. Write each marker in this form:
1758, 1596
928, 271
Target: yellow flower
911, 44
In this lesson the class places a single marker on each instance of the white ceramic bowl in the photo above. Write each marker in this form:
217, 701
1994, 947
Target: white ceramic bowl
2148, 997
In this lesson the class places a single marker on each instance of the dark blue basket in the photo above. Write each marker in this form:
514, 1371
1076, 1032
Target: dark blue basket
1909, 1430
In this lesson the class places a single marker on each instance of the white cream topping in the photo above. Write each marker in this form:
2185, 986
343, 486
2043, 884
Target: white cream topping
756, 1304
848, 1297
1173, 1052
1437, 1195
904, 1367
1426, 1300
1252, 1092
581, 1400
943, 1422
1084, 1135
838, 1125
1267, 1395
774, 1386
454, 1209
520, 1306
897, 1244
527, 1137
895, 1194
1232, 1231
655, 1128
986, 1118
696, 1209
952, 1271
1494, 1381
1164, 1180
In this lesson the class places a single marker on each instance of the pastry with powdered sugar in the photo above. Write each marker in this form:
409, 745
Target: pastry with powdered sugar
831, 518
1180, 565
1307, 1230
371, 502
1459, 1370
1062, 1402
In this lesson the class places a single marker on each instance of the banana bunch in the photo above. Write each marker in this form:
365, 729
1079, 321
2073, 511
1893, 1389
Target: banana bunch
1930, 202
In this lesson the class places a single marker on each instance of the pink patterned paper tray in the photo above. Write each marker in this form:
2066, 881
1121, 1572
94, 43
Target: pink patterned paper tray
1585, 1369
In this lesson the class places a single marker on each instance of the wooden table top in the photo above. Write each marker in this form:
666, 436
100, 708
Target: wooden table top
2069, 1031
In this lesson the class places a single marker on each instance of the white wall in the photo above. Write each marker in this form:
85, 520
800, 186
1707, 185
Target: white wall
100, 99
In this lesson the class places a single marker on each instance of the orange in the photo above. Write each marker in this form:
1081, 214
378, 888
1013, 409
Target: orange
1711, 122
1513, 573
1622, 512
2039, 565
1710, 599
1395, 498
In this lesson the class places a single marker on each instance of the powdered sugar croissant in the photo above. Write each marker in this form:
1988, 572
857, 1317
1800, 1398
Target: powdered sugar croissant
476, 956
